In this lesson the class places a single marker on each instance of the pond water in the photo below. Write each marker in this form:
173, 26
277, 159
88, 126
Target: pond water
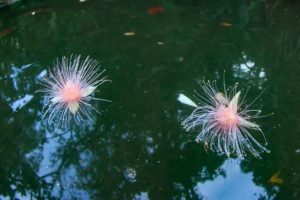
152, 51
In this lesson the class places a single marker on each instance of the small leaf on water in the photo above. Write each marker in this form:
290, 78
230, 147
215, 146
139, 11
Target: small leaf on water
275, 179
129, 33
155, 10
185, 100
225, 24
7, 31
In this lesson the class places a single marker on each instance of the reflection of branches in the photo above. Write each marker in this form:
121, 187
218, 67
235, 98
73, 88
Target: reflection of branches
56, 177
279, 55
56, 174
138, 133
19, 174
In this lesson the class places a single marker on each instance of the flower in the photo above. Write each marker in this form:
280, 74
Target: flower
68, 89
225, 125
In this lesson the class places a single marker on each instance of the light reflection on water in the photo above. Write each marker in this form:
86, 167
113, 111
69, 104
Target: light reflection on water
226, 185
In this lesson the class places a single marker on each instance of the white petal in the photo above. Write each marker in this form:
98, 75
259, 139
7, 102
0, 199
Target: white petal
248, 124
185, 100
73, 106
87, 91
234, 102
56, 99
222, 99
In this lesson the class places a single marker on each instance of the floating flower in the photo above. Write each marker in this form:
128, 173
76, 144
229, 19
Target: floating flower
225, 124
69, 87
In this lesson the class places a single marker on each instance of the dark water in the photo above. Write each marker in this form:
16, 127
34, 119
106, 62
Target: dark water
137, 148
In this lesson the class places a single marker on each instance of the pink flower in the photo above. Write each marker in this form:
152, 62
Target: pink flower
225, 125
69, 87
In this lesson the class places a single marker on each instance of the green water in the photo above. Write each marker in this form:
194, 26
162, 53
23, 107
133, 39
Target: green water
137, 149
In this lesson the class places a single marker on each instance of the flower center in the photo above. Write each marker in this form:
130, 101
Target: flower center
70, 92
227, 117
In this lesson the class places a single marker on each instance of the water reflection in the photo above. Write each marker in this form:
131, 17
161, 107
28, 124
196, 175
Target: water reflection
18, 174
246, 69
138, 150
55, 168
230, 180
141, 196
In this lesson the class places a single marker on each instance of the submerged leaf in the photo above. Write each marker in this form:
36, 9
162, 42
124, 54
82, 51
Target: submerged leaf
155, 10
275, 179
7, 31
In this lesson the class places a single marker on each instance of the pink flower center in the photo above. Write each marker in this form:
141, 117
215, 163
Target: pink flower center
70, 92
227, 117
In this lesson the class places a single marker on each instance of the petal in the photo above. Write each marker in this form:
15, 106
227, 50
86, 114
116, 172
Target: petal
185, 100
222, 99
56, 99
73, 106
87, 91
234, 102
248, 124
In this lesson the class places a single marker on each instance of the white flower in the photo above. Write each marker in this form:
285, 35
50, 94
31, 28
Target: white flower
224, 124
69, 87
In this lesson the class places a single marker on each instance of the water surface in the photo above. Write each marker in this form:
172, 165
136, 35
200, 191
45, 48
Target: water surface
137, 148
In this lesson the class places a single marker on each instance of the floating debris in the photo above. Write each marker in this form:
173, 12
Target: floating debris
7, 31
185, 100
130, 174
35, 12
180, 59
155, 10
276, 179
226, 24
129, 34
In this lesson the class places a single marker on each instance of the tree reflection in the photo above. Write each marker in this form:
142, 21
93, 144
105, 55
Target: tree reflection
137, 149
18, 137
